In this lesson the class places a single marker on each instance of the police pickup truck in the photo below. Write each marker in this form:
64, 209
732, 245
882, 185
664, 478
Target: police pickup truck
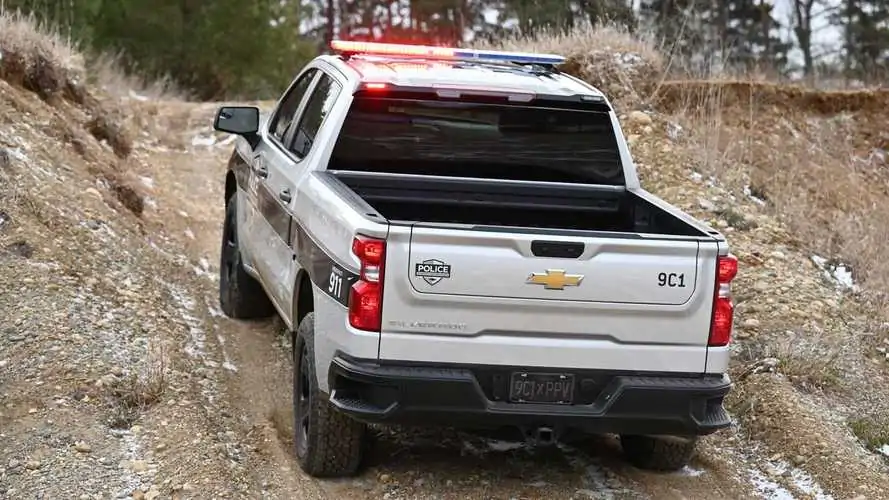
459, 237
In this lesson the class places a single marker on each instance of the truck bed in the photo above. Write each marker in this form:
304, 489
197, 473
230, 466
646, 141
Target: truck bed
431, 199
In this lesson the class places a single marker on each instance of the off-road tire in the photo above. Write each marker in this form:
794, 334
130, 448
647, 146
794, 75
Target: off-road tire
326, 443
658, 453
240, 296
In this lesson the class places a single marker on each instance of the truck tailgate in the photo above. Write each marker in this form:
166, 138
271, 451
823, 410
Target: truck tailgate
512, 265
617, 293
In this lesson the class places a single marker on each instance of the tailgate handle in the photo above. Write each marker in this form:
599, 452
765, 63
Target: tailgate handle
560, 249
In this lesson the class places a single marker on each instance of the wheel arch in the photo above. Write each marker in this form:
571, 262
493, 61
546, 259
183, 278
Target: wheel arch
303, 298
231, 186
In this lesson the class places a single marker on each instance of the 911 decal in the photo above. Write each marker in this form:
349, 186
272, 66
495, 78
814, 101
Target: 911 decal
336, 282
672, 280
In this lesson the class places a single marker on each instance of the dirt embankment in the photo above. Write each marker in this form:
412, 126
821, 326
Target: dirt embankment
120, 378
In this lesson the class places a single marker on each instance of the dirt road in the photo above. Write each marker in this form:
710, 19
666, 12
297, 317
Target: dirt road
255, 393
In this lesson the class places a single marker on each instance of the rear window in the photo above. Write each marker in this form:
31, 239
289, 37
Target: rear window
478, 140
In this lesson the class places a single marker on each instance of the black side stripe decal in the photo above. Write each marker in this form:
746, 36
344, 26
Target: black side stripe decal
331, 277
334, 279
274, 211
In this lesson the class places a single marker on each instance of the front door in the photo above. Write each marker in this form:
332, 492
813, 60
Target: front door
271, 222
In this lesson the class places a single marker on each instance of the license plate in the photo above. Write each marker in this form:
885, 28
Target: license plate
552, 388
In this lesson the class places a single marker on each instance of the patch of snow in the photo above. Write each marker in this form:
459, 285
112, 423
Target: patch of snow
674, 131
497, 445
806, 483
690, 472
200, 140
138, 97
836, 272
800, 479
18, 154
768, 489
749, 194
132, 451
215, 311
884, 449
146, 181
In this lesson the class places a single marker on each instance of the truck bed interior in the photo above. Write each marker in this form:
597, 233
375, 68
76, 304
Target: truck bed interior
434, 199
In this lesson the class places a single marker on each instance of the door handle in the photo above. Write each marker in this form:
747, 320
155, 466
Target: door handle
262, 171
285, 195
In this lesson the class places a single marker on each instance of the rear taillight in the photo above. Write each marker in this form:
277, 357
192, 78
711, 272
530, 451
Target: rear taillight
723, 308
366, 295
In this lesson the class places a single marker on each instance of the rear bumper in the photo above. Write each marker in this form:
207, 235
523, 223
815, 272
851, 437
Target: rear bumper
477, 397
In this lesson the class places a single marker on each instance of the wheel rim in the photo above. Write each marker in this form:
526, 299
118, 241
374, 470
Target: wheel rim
302, 395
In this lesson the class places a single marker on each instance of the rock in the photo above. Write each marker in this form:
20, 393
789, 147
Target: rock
761, 286
751, 323
32, 465
82, 447
139, 465
138, 495
639, 118
778, 255
707, 205
21, 248
385, 478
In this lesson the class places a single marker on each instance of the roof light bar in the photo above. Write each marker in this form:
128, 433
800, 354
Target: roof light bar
442, 52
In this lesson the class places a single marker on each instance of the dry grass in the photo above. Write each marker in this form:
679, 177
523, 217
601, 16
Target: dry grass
810, 360
871, 430
33, 57
624, 66
818, 158
39, 59
105, 72
135, 393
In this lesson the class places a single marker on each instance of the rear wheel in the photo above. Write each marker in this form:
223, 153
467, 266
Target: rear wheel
240, 296
327, 443
659, 453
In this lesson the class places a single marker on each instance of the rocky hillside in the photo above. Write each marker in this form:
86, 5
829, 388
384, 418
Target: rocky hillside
120, 379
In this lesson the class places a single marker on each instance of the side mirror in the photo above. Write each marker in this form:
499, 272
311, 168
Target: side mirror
238, 120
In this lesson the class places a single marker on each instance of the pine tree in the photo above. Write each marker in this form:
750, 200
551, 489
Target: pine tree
865, 27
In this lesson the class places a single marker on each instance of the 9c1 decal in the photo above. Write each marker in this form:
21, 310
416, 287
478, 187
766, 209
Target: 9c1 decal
672, 280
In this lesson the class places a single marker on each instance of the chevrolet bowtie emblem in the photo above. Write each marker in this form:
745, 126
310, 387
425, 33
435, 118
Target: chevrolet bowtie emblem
554, 279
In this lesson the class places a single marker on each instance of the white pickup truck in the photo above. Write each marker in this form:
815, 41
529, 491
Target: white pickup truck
459, 237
